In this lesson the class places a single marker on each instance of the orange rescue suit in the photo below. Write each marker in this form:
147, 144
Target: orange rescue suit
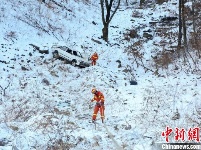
94, 58
99, 98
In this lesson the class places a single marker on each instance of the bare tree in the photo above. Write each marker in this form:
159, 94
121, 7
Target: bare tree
182, 29
193, 11
196, 25
180, 26
106, 19
184, 24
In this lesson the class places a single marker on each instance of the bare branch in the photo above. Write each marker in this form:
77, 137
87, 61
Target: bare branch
102, 9
4, 89
115, 10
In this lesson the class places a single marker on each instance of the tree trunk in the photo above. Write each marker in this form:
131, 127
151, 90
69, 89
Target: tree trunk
193, 11
184, 25
141, 2
180, 31
195, 42
105, 32
195, 39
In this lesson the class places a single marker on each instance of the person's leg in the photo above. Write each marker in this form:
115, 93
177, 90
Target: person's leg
92, 63
102, 113
95, 112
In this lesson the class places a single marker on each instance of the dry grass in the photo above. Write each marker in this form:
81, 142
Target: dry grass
163, 60
130, 34
59, 145
11, 35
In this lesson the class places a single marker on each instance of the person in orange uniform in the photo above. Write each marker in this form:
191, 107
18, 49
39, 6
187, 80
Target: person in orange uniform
99, 98
94, 58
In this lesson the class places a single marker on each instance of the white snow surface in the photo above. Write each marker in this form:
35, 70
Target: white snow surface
35, 116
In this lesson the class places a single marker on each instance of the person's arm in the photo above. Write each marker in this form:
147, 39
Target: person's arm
102, 99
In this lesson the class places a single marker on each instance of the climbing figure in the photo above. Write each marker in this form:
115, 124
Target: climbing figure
99, 98
94, 58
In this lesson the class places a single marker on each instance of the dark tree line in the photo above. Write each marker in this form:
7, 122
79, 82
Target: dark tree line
196, 18
189, 14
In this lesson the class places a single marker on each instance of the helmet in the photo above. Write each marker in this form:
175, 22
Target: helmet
93, 91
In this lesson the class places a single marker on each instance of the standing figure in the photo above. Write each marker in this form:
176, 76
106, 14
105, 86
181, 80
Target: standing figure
94, 58
99, 98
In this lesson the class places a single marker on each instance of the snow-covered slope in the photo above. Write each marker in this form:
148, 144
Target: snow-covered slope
46, 103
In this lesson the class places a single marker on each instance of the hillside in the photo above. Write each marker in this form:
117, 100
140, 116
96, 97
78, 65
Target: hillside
45, 103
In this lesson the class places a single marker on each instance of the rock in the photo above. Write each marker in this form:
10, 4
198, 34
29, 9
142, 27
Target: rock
24, 68
149, 30
133, 82
46, 82
147, 35
128, 127
94, 22
3, 142
44, 51
176, 115
168, 19
119, 65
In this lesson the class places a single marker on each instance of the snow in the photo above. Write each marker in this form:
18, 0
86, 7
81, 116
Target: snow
36, 115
